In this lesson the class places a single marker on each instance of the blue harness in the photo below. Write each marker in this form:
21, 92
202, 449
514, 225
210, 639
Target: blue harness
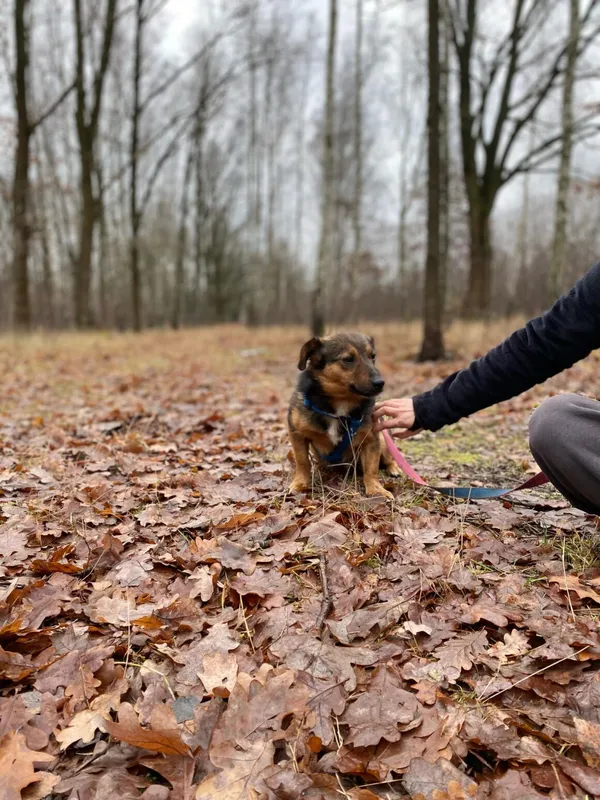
350, 426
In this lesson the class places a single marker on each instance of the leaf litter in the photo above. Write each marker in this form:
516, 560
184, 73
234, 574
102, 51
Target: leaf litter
160, 591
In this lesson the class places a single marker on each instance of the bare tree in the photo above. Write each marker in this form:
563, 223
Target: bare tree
327, 200
358, 158
432, 347
21, 188
489, 139
89, 105
559, 246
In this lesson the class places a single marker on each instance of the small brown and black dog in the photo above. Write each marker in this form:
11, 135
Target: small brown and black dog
330, 410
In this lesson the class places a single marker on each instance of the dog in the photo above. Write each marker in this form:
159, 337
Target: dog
331, 408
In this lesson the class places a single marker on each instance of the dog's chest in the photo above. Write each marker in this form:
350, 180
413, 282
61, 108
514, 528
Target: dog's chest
335, 428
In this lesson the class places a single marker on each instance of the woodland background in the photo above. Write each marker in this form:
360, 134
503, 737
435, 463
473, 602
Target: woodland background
170, 163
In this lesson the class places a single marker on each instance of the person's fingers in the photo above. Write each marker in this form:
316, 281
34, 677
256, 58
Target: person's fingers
384, 425
406, 434
384, 409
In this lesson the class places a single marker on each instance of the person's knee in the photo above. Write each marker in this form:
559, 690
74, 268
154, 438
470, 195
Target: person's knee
549, 423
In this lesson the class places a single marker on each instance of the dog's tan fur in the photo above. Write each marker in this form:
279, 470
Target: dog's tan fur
339, 373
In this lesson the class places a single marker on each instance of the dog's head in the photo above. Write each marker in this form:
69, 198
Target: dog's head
344, 365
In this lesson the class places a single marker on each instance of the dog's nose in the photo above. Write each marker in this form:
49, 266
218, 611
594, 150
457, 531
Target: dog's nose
378, 384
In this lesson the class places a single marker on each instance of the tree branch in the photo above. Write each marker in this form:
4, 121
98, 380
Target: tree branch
52, 108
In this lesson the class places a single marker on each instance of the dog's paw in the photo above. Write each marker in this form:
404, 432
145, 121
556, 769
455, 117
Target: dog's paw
393, 470
375, 489
299, 485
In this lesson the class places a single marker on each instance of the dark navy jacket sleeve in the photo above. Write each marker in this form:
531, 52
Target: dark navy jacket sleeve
547, 345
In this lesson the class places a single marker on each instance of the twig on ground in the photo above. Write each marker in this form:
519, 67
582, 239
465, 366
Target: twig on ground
326, 604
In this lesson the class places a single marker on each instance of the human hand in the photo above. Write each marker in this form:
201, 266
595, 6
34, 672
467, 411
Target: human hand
400, 413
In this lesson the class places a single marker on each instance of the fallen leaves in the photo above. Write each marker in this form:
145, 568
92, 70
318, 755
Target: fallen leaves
17, 766
160, 588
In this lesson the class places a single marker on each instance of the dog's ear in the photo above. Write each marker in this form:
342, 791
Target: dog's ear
309, 349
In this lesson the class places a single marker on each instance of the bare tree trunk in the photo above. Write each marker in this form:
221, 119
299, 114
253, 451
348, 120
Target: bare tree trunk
444, 159
433, 345
181, 242
327, 207
478, 295
21, 188
559, 245
87, 120
300, 144
253, 277
135, 216
358, 162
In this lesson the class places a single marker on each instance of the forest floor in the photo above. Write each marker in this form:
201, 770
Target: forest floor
160, 588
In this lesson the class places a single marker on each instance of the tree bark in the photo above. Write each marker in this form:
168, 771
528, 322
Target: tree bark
432, 347
181, 242
477, 299
87, 120
21, 188
358, 163
559, 245
135, 216
327, 203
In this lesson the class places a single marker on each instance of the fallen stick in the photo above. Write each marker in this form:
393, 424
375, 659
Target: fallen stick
326, 604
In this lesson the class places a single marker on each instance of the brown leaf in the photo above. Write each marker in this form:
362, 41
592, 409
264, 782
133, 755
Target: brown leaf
219, 671
588, 736
218, 640
260, 703
240, 521
571, 583
262, 583
17, 765
129, 730
323, 661
586, 777
239, 772
359, 624
382, 712
326, 532
515, 644
439, 781
459, 654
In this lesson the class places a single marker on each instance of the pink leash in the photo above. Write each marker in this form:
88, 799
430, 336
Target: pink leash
459, 492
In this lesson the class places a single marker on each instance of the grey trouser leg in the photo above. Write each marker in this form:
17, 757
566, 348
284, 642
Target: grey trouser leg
564, 435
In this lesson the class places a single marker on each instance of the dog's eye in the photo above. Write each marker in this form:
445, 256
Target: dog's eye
348, 359
373, 357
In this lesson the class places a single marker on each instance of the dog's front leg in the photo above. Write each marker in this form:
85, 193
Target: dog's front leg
301, 481
370, 455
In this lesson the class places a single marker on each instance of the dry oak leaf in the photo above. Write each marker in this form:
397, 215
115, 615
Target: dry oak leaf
240, 768
322, 660
359, 624
217, 640
119, 610
588, 737
240, 521
129, 730
219, 671
326, 533
83, 726
515, 644
259, 703
570, 583
439, 781
377, 713
16, 765
459, 654
229, 554
262, 583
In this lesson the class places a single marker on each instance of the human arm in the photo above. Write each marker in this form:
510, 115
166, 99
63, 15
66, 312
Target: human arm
547, 345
